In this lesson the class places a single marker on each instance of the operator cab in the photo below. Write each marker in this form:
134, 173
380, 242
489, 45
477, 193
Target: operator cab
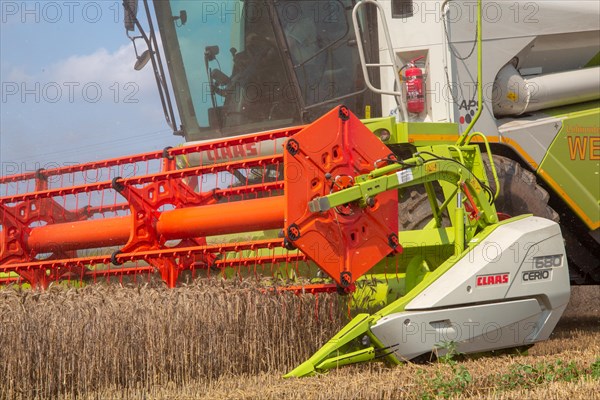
252, 65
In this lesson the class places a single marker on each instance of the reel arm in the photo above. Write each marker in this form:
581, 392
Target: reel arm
397, 176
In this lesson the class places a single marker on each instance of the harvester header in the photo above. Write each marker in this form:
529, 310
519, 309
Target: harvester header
85, 221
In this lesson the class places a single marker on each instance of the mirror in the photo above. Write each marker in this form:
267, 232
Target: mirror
211, 53
131, 9
182, 18
142, 60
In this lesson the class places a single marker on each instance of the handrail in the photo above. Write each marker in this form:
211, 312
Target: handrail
361, 52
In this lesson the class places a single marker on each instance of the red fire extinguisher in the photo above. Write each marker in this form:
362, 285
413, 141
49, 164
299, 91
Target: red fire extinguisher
413, 77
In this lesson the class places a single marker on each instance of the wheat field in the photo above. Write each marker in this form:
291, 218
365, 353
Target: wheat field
229, 340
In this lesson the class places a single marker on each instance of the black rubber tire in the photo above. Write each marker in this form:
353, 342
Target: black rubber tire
414, 211
519, 191
520, 194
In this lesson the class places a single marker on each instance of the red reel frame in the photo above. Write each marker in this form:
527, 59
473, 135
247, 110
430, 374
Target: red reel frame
344, 243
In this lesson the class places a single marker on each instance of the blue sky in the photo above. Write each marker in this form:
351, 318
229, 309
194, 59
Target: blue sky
69, 90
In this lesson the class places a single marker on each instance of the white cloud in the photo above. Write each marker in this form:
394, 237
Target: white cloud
36, 128
16, 74
102, 67
110, 71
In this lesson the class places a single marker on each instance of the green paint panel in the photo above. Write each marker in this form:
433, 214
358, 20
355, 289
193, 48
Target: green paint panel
594, 62
572, 164
399, 132
428, 128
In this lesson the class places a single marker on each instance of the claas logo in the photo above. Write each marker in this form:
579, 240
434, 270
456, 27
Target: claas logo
494, 279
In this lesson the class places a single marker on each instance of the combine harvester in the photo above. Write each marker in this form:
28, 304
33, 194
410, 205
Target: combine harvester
403, 212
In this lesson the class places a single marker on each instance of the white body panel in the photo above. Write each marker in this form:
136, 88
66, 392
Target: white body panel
474, 329
546, 37
509, 290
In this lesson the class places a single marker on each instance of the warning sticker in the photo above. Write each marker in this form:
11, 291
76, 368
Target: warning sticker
404, 176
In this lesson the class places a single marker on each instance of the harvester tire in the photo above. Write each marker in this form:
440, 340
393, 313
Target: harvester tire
519, 194
414, 211
519, 191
